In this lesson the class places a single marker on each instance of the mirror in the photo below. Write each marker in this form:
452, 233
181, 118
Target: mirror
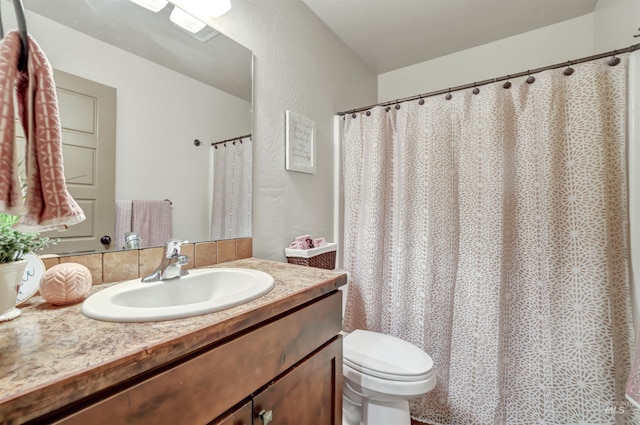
172, 87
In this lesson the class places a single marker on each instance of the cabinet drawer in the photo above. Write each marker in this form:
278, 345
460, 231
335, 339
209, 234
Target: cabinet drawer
200, 389
311, 393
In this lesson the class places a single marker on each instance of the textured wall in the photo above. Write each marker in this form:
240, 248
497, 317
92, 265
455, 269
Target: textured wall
615, 24
300, 65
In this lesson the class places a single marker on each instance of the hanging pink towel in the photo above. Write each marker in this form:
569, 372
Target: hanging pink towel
48, 203
10, 191
151, 220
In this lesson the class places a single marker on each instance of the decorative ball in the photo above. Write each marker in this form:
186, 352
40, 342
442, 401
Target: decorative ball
65, 283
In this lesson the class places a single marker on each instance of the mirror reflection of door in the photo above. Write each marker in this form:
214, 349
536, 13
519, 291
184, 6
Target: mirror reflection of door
88, 119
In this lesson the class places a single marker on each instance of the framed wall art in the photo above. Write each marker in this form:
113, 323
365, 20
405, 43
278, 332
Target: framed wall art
300, 133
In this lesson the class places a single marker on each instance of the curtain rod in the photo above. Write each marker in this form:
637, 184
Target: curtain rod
233, 139
614, 61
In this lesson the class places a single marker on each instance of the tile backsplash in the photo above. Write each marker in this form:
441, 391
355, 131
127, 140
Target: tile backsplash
133, 263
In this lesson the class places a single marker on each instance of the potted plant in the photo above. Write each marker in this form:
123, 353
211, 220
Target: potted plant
13, 246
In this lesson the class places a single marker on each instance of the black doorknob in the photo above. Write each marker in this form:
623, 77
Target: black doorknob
105, 240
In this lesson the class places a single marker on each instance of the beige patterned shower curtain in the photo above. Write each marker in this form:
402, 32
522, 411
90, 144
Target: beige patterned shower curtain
491, 231
230, 166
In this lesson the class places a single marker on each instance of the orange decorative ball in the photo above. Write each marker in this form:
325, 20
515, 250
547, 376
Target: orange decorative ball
65, 283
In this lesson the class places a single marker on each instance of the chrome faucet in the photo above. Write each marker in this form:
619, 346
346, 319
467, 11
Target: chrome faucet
172, 262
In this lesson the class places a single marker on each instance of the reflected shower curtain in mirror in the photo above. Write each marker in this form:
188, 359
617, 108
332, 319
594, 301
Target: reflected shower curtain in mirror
491, 231
231, 193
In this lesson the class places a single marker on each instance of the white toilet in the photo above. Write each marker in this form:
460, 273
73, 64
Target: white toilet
381, 374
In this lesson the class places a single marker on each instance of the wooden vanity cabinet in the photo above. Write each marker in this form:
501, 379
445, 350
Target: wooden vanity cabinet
309, 394
290, 365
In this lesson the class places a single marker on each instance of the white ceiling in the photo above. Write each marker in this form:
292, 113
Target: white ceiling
391, 34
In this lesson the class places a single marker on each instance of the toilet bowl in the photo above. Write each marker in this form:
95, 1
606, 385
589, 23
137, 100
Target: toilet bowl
381, 374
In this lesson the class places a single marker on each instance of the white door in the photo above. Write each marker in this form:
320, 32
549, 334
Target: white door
88, 119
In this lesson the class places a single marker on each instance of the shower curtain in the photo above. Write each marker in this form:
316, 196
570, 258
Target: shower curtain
491, 231
231, 193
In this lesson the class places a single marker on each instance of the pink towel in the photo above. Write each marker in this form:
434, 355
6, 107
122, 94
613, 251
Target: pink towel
306, 242
151, 220
10, 191
48, 203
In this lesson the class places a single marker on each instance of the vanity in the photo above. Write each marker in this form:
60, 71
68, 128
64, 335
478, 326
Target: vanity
276, 359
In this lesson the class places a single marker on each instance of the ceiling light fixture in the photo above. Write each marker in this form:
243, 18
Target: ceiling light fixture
204, 9
219, 8
153, 5
186, 21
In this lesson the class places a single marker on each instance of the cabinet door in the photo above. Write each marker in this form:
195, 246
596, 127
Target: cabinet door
311, 393
241, 416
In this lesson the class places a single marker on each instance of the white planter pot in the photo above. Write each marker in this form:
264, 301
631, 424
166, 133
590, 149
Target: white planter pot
11, 275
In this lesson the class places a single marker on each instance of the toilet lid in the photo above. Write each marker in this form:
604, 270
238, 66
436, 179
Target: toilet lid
385, 356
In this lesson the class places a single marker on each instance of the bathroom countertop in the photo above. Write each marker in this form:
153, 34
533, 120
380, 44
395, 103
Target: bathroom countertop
52, 356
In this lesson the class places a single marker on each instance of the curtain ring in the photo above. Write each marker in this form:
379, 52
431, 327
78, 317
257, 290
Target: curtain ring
397, 105
531, 78
569, 70
614, 60
421, 101
196, 142
507, 84
448, 96
475, 90
215, 146
388, 108
368, 113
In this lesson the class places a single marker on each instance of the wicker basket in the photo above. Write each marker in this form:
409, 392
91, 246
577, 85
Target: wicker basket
322, 258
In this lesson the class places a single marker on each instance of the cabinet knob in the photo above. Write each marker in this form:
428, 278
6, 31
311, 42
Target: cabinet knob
266, 416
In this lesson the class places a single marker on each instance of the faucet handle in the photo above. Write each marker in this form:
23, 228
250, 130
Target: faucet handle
173, 247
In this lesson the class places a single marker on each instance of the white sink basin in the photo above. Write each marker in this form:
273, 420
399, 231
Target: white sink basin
200, 292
